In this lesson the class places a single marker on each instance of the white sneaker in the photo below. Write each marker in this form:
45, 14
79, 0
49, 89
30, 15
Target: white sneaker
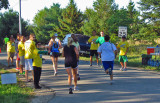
121, 69
55, 74
76, 88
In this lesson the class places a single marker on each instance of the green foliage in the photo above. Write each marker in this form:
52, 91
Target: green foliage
9, 24
71, 20
4, 4
45, 22
151, 14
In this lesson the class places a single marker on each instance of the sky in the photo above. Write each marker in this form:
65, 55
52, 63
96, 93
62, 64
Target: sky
29, 8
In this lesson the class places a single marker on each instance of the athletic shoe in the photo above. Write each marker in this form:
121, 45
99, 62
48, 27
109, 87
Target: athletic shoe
17, 68
76, 88
70, 91
125, 69
90, 65
38, 87
111, 82
55, 74
101, 66
121, 69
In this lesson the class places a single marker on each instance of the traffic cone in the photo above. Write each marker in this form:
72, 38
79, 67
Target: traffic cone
0, 50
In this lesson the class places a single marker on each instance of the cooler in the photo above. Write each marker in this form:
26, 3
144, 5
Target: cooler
150, 50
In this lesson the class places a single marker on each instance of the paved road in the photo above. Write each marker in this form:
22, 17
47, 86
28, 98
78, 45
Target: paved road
132, 86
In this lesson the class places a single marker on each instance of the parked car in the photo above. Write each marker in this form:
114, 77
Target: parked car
83, 42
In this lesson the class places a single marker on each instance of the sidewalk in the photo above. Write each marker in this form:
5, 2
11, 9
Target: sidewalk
132, 86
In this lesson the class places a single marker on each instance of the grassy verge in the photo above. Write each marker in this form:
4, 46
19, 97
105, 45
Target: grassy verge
134, 57
14, 93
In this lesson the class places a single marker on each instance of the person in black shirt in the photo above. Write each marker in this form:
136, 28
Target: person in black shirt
71, 54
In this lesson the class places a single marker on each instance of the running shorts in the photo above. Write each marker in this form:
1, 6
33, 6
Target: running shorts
108, 64
93, 52
28, 64
123, 58
73, 65
10, 54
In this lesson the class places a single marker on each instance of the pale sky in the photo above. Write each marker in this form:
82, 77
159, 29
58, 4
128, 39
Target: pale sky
31, 7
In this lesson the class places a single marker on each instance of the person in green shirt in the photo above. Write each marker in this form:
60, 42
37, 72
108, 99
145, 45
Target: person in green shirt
6, 39
100, 40
94, 47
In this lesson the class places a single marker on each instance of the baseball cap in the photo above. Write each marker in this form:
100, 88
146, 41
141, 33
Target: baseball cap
55, 34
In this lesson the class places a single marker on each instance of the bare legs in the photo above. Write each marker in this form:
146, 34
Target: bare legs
26, 74
8, 60
91, 59
69, 72
124, 65
55, 64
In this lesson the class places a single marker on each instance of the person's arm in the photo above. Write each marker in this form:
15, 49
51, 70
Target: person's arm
63, 52
50, 45
90, 40
99, 51
59, 42
126, 51
76, 51
97, 41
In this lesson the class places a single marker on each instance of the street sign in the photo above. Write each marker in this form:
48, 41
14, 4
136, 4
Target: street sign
9, 78
122, 31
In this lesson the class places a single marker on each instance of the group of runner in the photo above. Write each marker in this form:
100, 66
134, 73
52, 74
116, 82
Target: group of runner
29, 56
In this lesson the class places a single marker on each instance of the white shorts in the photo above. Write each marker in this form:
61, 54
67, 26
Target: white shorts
28, 64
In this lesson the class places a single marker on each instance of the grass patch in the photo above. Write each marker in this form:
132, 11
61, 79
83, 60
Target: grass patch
15, 93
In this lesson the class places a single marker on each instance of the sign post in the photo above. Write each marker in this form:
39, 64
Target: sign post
122, 31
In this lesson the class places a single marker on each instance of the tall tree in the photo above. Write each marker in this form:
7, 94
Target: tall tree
151, 14
9, 24
4, 4
71, 20
46, 21
98, 17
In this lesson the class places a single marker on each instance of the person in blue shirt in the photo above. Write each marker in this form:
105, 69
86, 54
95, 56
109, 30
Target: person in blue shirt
54, 53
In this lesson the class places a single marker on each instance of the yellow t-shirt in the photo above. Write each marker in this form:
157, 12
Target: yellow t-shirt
29, 48
37, 60
21, 48
92, 40
10, 47
123, 47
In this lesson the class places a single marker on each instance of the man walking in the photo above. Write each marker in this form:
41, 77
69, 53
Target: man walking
94, 47
123, 45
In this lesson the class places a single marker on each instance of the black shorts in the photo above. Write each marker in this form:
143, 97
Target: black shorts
93, 52
55, 54
69, 64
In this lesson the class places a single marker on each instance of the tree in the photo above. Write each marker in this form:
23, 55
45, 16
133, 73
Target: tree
4, 4
9, 24
71, 20
45, 22
98, 17
151, 14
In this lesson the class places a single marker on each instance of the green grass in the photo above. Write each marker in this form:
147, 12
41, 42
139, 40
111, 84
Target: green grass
14, 93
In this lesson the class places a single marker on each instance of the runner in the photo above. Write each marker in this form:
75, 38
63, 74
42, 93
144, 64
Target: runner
10, 51
6, 39
94, 47
76, 44
123, 45
29, 48
21, 50
71, 55
17, 54
54, 53
108, 53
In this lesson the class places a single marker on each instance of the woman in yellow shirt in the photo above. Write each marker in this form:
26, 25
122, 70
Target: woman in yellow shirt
10, 51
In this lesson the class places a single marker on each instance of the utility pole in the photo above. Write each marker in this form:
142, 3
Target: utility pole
20, 24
